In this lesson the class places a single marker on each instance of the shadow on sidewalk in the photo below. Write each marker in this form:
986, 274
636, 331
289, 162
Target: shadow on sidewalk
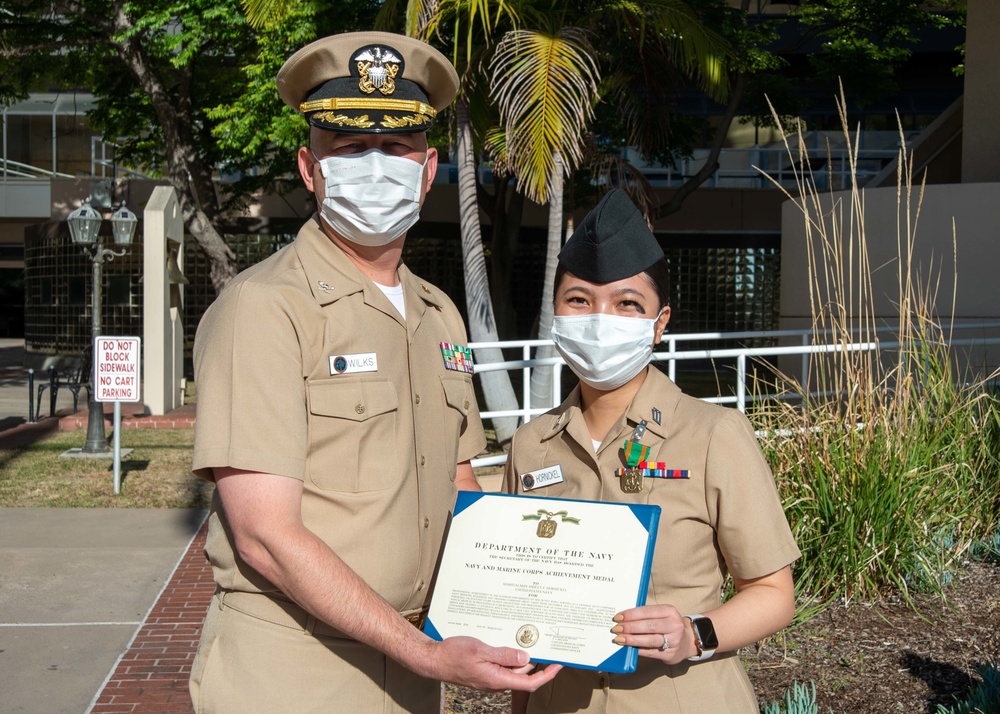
16, 432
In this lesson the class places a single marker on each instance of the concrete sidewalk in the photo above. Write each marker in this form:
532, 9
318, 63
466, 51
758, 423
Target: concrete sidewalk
100, 609
14, 388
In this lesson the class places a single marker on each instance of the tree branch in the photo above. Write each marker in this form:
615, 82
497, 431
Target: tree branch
712, 162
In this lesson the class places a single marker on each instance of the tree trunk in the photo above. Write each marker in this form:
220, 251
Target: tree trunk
497, 387
541, 377
186, 171
507, 218
712, 161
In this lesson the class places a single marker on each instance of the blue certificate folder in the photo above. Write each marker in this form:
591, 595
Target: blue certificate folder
619, 659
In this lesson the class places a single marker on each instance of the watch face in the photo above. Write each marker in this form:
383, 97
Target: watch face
706, 633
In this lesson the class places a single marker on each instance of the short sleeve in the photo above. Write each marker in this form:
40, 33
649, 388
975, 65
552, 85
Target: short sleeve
743, 502
510, 469
251, 412
472, 440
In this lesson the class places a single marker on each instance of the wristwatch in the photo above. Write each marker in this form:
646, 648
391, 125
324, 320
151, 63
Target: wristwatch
704, 637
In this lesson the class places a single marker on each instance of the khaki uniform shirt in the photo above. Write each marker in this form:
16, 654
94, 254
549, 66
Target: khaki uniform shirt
725, 517
374, 437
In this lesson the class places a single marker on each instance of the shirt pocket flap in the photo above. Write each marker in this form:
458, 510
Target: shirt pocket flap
457, 391
357, 401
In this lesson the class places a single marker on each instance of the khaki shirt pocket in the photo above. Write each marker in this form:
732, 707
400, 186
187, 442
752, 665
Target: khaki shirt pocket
459, 395
352, 435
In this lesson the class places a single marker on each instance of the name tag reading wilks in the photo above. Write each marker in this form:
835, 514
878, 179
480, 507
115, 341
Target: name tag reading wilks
347, 364
543, 575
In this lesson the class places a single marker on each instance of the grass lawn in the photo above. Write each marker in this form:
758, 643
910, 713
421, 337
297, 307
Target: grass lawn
155, 475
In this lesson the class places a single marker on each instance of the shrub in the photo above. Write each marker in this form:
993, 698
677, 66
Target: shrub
984, 699
800, 699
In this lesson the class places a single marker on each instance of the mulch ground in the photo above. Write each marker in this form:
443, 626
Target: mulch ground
865, 658
890, 657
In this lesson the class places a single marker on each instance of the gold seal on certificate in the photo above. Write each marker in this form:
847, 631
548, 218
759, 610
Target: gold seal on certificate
527, 635
545, 574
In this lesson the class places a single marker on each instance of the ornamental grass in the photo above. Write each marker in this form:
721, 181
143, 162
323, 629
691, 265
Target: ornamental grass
887, 460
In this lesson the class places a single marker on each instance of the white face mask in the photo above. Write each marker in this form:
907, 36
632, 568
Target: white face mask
371, 198
604, 351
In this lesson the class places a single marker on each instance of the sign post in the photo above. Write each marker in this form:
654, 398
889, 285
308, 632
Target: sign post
116, 379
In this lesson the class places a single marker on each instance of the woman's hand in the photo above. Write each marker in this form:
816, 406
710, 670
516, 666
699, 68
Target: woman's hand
658, 631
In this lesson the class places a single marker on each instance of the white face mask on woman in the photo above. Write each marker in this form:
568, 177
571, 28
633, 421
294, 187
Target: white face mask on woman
371, 198
604, 351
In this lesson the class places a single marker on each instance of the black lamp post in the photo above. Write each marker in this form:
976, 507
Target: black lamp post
84, 229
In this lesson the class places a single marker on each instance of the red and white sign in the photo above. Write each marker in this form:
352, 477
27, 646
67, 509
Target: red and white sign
116, 369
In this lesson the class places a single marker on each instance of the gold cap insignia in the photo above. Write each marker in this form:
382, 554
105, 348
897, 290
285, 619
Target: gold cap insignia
378, 69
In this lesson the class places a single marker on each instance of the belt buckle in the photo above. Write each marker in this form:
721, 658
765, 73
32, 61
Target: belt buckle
416, 618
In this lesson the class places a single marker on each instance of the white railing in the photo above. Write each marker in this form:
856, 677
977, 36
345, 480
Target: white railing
103, 161
16, 169
753, 167
672, 355
758, 167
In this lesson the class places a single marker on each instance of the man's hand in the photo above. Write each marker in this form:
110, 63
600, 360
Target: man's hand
471, 663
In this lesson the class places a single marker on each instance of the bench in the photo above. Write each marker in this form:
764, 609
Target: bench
74, 376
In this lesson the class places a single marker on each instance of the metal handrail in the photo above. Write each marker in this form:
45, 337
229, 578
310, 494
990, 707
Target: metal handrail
22, 170
672, 355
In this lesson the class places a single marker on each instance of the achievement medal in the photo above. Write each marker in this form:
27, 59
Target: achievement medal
631, 477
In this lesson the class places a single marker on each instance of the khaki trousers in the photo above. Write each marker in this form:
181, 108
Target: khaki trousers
247, 665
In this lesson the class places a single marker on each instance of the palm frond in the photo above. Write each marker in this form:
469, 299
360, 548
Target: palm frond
495, 143
463, 19
674, 26
262, 14
544, 86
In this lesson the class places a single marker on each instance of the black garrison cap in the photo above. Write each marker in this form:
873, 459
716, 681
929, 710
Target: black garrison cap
613, 242
368, 83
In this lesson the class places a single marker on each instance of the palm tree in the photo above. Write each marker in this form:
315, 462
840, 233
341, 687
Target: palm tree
544, 85
545, 82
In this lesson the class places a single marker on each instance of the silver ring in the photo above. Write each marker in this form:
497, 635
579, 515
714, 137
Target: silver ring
666, 644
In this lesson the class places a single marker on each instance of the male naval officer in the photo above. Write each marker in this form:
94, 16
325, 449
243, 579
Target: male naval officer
337, 417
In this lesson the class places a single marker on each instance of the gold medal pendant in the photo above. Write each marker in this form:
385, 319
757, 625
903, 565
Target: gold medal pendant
546, 528
631, 480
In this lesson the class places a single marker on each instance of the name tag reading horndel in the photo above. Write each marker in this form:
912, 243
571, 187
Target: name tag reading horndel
348, 364
541, 478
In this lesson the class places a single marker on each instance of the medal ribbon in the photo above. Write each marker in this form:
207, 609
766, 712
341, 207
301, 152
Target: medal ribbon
635, 451
656, 469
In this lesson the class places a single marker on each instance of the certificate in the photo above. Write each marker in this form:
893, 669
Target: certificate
545, 575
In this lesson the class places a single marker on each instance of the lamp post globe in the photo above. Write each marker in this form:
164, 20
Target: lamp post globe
84, 224
123, 223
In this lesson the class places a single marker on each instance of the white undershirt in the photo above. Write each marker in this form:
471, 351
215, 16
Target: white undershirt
596, 443
395, 295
